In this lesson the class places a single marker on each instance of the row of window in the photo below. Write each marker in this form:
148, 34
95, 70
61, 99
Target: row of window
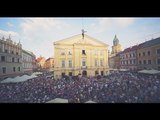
128, 56
149, 62
144, 54
145, 62
3, 59
83, 52
126, 62
83, 63
10, 51
4, 69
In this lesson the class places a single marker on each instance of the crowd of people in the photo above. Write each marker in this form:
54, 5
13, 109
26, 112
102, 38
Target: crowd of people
124, 87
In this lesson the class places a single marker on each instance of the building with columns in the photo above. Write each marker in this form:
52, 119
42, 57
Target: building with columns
80, 54
10, 58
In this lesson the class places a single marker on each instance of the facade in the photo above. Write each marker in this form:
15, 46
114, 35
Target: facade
49, 64
149, 55
27, 58
10, 58
34, 66
80, 54
128, 58
41, 62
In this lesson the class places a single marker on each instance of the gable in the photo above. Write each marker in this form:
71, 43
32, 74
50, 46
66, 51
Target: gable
78, 39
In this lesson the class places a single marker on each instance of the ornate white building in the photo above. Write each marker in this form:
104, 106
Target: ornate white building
10, 58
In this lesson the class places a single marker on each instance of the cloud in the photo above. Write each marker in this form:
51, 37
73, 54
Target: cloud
119, 22
40, 33
10, 24
7, 33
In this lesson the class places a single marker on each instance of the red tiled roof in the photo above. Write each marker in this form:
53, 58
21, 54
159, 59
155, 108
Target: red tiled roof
39, 59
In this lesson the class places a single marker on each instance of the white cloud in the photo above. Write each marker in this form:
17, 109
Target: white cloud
10, 24
40, 33
119, 22
7, 33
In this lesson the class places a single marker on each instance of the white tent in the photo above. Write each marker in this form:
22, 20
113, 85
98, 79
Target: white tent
123, 69
154, 71
18, 79
90, 101
149, 71
37, 73
58, 100
7, 80
143, 71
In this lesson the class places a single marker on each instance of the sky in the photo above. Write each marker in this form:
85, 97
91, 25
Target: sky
37, 34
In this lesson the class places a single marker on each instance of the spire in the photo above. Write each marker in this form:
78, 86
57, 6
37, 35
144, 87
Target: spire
3, 38
115, 41
9, 36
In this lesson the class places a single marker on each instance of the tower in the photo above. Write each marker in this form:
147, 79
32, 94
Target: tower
116, 46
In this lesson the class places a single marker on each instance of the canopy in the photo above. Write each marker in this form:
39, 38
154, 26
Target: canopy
18, 79
123, 69
90, 101
149, 71
58, 100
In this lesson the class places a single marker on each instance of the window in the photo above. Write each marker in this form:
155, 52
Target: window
158, 61
69, 52
126, 56
148, 53
139, 54
130, 55
134, 61
62, 52
133, 55
14, 69
127, 62
144, 62
63, 63
12, 59
101, 62
143, 53
16, 53
140, 62
12, 52
83, 62
130, 61
96, 62
83, 52
18, 60
149, 61
2, 58
70, 63
4, 70
158, 51
6, 51
19, 69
